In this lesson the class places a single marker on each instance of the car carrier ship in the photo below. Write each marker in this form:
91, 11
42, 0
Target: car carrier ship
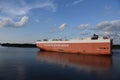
95, 45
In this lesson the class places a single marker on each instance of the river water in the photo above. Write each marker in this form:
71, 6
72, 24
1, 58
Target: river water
31, 64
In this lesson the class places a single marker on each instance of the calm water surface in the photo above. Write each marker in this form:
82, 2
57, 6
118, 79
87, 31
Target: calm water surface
30, 64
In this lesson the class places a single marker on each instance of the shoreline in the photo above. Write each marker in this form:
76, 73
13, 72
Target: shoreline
29, 45
23, 45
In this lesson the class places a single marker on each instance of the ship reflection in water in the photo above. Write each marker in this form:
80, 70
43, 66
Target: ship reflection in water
84, 62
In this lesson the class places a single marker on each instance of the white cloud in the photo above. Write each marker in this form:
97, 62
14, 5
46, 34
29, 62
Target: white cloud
77, 2
22, 22
63, 26
8, 22
83, 26
104, 28
55, 28
110, 33
22, 7
109, 25
12, 9
74, 2
84, 33
46, 4
110, 28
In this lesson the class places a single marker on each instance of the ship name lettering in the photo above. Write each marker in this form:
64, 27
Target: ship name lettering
62, 45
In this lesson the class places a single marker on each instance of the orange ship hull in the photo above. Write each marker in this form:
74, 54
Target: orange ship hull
95, 48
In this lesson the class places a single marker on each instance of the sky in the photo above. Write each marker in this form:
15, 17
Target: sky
26, 21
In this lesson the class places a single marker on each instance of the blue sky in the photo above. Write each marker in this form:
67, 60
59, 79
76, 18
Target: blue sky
25, 21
